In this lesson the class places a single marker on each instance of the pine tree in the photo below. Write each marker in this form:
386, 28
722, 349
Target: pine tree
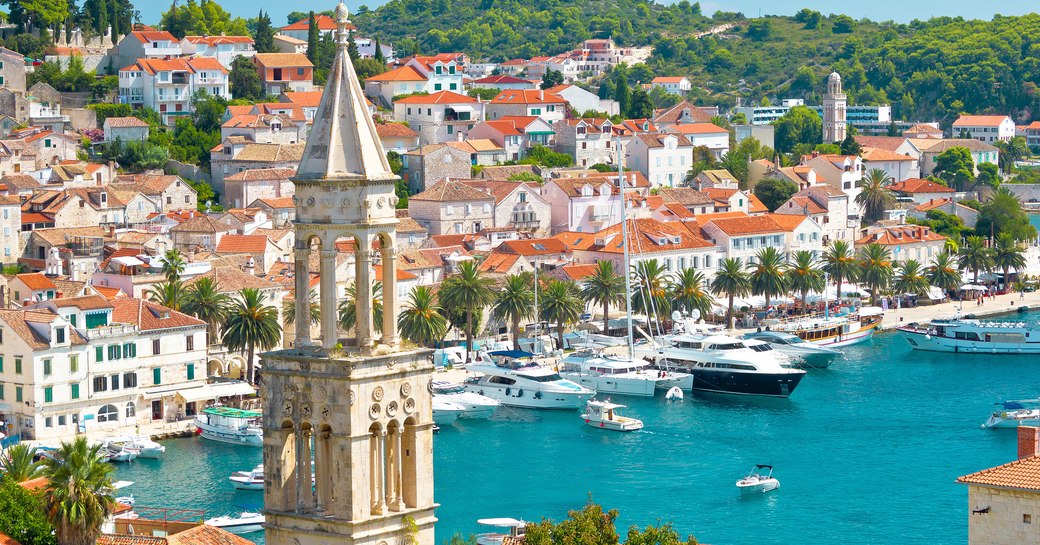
312, 39
264, 40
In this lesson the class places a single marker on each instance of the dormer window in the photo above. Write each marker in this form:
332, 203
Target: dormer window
59, 335
586, 191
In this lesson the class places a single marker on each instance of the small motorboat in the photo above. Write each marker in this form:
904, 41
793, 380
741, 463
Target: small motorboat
603, 415
758, 480
516, 529
125, 500
1013, 414
674, 394
243, 523
248, 480
445, 412
146, 448
117, 453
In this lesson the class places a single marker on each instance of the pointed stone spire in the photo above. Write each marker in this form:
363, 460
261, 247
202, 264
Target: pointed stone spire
343, 143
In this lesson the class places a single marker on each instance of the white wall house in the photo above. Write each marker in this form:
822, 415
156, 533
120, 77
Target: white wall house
167, 86
223, 48
985, 128
708, 135
676, 85
443, 116
663, 158
525, 102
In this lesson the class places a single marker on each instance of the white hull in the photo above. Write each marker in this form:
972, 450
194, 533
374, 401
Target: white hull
640, 387
151, 452
759, 486
445, 417
240, 528
932, 343
251, 440
517, 397
855, 337
247, 485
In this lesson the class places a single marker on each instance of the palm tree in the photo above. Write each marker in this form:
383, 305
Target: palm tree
768, 276
468, 291
78, 496
732, 280
944, 273
173, 265
805, 276
421, 320
348, 308
604, 287
874, 197
289, 309
169, 294
204, 301
875, 263
650, 294
975, 256
911, 278
250, 325
18, 463
560, 303
689, 291
1007, 254
840, 262
514, 302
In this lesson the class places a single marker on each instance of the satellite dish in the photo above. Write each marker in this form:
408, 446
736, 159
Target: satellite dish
695, 314
676, 316
209, 205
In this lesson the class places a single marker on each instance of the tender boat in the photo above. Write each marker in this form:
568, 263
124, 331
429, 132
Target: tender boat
1013, 414
445, 412
230, 425
515, 529
515, 381
248, 480
758, 480
146, 448
474, 405
243, 523
973, 336
604, 415
125, 500
803, 353
674, 394
118, 453
832, 331
608, 374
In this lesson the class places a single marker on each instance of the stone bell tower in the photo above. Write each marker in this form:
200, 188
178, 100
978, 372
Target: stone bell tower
356, 413
834, 105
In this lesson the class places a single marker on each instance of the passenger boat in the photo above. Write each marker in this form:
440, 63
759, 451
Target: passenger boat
248, 480
803, 353
832, 331
973, 336
146, 448
230, 425
516, 381
1013, 414
243, 523
758, 480
515, 529
445, 412
617, 375
603, 415
474, 405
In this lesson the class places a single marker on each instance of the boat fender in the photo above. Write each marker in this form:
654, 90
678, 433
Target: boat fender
481, 392
586, 420
520, 393
927, 337
601, 424
538, 395
509, 391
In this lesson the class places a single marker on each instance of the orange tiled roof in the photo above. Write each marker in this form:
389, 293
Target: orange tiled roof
699, 128
279, 202
404, 73
8, 540
917, 185
667, 79
647, 236
533, 246
499, 262
746, 225
242, 244
215, 40
979, 120
451, 191
394, 130
109, 292
149, 316
789, 222
527, 96
901, 234
440, 97
283, 60
323, 22
36, 281
1021, 474
880, 154
153, 36
579, 272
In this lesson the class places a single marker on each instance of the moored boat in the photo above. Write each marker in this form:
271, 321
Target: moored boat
604, 415
1013, 414
833, 331
616, 375
230, 425
516, 381
474, 405
973, 336
248, 480
146, 448
243, 523
445, 412
803, 353
516, 529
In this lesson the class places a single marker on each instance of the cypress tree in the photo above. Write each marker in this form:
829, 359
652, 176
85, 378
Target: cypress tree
312, 39
621, 94
102, 17
379, 53
264, 33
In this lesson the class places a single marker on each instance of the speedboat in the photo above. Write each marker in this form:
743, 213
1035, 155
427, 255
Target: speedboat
1013, 414
758, 480
515, 529
973, 337
248, 480
604, 415
243, 523
146, 448
516, 381
835, 331
445, 412
609, 374
815, 356
118, 453
475, 405
230, 425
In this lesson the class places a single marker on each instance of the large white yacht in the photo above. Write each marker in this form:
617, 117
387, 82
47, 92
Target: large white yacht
608, 374
475, 405
973, 336
519, 382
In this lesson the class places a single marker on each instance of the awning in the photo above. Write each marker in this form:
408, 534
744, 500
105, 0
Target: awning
936, 294
973, 287
128, 261
159, 393
201, 393
230, 389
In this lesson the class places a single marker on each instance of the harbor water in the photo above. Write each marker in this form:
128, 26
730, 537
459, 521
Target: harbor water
866, 452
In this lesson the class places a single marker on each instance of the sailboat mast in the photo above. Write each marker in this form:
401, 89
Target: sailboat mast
624, 243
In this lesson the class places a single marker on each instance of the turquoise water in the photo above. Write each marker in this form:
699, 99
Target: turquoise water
866, 453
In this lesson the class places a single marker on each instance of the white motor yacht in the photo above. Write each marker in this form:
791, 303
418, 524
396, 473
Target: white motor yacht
445, 412
515, 528
475, 405
1013, 414
519, 382
230, 425
973, 337
248, 480
804, 353
604, 415
243, 523
758, 480
616, 375
146, 448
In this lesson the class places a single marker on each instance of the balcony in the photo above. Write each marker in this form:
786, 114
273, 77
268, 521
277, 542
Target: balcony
109, 331
163, 51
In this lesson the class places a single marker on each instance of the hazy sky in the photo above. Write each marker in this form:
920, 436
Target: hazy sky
881, 10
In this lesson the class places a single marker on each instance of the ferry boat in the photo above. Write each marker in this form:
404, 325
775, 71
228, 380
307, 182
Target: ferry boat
726, 365
604, 415
609, 374
832, 331
474, 405
516, 381
248, 480
1013, 414
230, 425
804, 353
973, 336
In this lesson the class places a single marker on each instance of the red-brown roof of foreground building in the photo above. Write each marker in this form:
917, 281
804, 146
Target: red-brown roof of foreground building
747, 225
917, 185
149, 316
36, 281
242, 244
901, 234
1021, 474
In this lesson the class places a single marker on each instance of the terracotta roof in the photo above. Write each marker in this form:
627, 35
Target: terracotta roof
154, 36
109, 293
647, 236
404, 73
502, 80
322, 21
917, 185
922, 128
115, 539
747, 225
20, 181
879, 154
686, 196
411, 260
39, 483
8, 540
498, 262
124, 122
675, 209
979, 120
698, 128
242, 244
178, 64
19, 320
900, 234
36, 281
500, 189
503, 172
579, 272
205, 534
656, 140
807, 205
279, 202
263, 174
789, 222
408, 225
755, 205
1021, 474
936, 145
533, 246
667, 79
890, 143
234, 279
85, 302
59, 236
201, 224
673, 114
440, 97
283, 60
451, 191
527, 96
215, 40
720, 195
394, 130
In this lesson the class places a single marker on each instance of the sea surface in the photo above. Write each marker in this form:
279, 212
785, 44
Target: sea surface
866, 452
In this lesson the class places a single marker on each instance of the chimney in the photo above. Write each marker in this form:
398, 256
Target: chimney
1028, 441
251, 266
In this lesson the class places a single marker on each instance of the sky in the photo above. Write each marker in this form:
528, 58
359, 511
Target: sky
880, 10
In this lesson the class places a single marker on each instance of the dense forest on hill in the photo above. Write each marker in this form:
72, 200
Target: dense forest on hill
928, 70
